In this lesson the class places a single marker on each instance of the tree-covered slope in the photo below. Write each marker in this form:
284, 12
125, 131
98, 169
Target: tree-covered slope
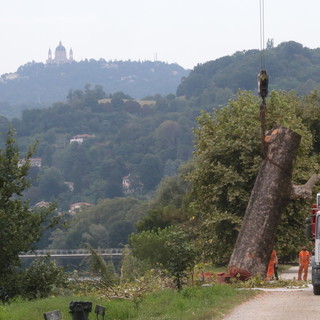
145, 139
38, 84
290, 67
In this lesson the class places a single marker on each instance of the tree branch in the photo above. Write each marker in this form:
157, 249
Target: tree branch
304, 191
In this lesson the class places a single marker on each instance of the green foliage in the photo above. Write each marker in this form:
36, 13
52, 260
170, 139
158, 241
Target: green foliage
227, 160
98, 267
146, 139
170, 205
42, 279
309, 111
150, 170
290, 66
169, 248
119, 233
160, 218
172, 191
51, 183
106, 224
132, 268
20, 227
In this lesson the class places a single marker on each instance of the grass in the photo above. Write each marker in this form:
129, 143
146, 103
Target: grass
34, 310
201, 303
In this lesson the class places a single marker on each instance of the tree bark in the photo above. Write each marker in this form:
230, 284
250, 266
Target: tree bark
269, 197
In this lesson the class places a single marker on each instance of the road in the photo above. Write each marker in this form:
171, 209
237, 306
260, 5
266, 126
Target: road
280, 303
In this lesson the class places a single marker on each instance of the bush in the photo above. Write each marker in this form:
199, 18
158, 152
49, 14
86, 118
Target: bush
169, 248
42, 278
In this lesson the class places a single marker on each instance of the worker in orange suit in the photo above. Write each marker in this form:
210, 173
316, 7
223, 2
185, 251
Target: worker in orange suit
304, 260
272, 263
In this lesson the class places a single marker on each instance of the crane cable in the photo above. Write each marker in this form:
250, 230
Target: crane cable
263, 81
262, 62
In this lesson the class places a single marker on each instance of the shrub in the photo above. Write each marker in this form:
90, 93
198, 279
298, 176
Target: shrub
42, 278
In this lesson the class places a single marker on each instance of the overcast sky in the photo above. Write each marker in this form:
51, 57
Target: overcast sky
187, 32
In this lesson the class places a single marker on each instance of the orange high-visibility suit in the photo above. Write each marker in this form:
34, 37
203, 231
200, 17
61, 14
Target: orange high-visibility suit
273, 261
304, 260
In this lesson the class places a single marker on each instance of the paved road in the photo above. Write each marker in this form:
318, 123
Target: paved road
292, 273
280, 304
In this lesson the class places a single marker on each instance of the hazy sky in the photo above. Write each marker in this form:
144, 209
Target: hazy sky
187, 32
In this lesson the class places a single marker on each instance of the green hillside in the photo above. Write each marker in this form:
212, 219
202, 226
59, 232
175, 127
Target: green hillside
290, 67
128, 146
149, 139
36, 85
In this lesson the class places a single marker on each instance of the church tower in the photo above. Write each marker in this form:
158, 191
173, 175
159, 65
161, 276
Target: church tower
49, 60
60, 55
71, 55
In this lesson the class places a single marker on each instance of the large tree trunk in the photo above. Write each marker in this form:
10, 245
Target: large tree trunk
269, 197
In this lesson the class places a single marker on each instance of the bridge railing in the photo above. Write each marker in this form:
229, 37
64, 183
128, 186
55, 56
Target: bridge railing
71, 252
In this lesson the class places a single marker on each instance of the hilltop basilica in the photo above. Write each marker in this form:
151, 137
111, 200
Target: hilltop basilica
60, 55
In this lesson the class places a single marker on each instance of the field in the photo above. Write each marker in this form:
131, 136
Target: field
200, 303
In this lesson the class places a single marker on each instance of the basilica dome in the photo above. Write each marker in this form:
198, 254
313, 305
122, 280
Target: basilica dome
60, 55
60, 47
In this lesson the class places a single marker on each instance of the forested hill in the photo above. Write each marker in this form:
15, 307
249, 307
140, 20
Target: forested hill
38, 84
100, 149
290, 67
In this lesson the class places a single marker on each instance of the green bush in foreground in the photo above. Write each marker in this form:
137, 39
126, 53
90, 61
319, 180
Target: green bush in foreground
169, 249
199, 303
42, 279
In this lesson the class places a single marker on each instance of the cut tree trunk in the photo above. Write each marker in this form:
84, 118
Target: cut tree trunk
269, 197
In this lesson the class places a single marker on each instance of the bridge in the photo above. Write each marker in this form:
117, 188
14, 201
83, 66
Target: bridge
65, 253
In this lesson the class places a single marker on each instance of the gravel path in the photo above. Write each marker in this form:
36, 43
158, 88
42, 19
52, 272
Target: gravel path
280, 304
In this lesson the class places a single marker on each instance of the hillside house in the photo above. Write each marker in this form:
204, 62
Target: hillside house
78, 207
79, 138
131, 183
70, 185
42, 204
34, 162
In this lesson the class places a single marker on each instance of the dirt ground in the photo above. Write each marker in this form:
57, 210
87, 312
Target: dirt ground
280, 303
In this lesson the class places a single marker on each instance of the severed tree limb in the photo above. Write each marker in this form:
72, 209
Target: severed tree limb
304, 191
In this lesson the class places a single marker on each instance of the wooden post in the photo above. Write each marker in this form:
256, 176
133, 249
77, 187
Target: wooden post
269, 197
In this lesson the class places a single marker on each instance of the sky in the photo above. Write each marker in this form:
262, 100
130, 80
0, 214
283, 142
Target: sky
187, 32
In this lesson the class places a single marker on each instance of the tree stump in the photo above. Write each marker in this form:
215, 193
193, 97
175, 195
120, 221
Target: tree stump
270, 195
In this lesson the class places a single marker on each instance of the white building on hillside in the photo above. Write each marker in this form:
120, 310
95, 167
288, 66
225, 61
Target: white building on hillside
60, 55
